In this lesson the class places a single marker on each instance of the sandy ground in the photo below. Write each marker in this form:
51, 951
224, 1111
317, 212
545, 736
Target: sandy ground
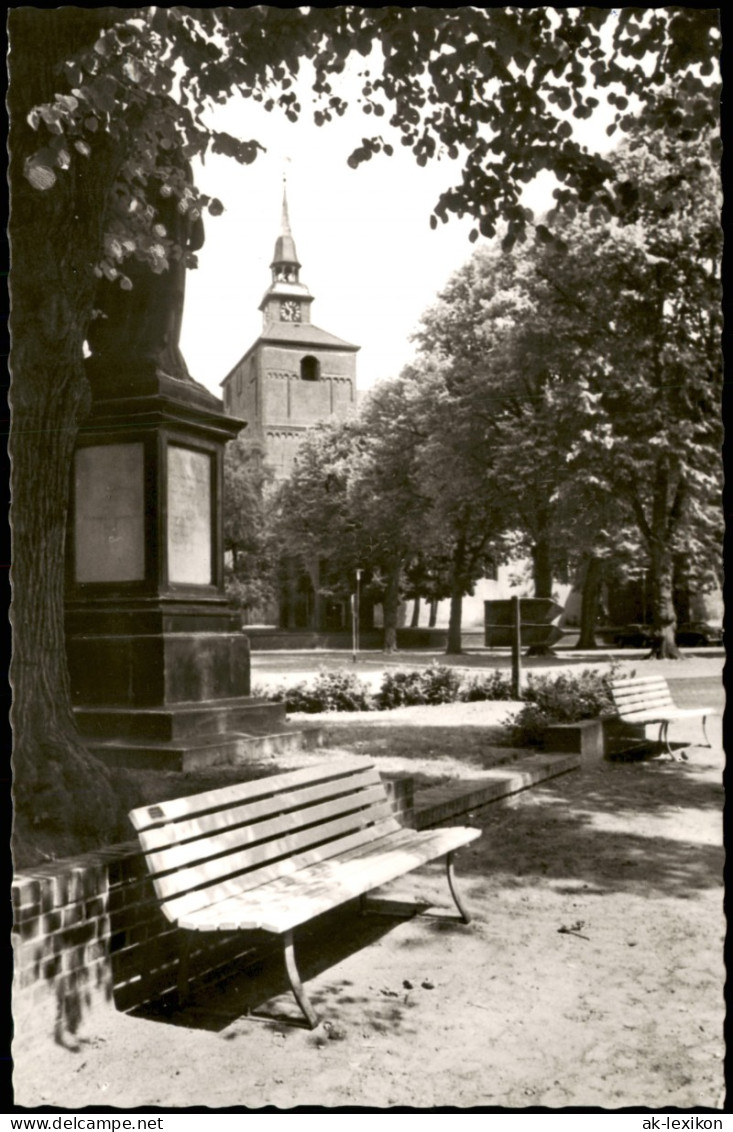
591, 975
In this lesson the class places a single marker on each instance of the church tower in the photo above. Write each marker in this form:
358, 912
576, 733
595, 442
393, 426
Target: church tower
294, 374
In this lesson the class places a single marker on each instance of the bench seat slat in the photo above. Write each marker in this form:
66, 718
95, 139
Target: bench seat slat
282, 824
630, 709
192, 900
299, 897
175, 808
652, 716
174, 832
195, 876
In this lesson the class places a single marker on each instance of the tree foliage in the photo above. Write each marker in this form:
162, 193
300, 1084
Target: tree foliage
594, 360
657, 375
463, 515
402, 492
494, 88
352, 502
520, 379
312, 527
248, 541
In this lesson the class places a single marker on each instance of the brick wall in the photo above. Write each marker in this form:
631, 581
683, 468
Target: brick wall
88, 935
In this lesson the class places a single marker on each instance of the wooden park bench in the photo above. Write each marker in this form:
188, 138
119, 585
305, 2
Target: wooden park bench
274, 853
647, 699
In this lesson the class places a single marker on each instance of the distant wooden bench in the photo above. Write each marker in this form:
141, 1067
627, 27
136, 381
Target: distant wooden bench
275, 853
647, 699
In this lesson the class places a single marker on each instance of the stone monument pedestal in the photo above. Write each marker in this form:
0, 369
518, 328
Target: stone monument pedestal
159, 665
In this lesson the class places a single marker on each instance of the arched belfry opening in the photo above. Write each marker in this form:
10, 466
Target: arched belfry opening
310, 368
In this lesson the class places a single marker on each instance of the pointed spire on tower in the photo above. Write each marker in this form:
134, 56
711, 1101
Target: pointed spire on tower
285, 252
285, 222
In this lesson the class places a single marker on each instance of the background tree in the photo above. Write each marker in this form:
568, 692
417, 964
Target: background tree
248, 545
520, 401
651, 308
313, 527
426, 579
351, 502
592, 355
461, 514
387, 490
108, 105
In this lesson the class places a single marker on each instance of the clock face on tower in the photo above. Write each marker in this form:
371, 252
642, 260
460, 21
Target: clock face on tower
290, 311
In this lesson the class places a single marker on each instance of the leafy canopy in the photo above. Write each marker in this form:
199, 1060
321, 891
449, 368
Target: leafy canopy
495, 89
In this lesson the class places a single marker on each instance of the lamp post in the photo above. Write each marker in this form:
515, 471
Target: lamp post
355, 619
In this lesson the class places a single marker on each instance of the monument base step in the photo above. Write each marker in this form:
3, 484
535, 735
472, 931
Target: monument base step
179, 721
199, 752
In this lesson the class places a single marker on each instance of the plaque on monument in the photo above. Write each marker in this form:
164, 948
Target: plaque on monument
189, 516
109, 535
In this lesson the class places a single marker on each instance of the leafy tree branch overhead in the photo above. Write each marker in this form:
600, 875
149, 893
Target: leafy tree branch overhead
495, 88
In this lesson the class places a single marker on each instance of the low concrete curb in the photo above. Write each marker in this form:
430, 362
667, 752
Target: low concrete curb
444, 803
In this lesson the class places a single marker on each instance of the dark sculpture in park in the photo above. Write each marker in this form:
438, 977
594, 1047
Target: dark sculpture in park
143, 324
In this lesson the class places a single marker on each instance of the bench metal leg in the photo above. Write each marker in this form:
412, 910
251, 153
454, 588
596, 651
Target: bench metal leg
454, 891
183, 969
294, 978
664, 738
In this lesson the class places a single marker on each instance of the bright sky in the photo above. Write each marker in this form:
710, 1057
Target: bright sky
363, 238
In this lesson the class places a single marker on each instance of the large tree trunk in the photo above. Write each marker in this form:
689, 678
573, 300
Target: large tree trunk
457, 590
589, 607
542, 568
668, 500
315, 615
289, 596
455, 637
665, 616
391, 605
681, 588
432, 620
415, 613
56, 236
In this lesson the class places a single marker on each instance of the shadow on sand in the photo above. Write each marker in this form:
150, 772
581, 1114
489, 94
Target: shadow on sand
260, 993
649, 828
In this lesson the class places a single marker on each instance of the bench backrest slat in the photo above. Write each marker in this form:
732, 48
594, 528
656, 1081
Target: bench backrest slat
641, 692
632, 699
202, 849
236, 864
210, 846
214, 821
640, 695
191, 901
146, 817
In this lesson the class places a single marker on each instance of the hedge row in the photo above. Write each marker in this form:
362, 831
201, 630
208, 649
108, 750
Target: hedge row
547, 699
